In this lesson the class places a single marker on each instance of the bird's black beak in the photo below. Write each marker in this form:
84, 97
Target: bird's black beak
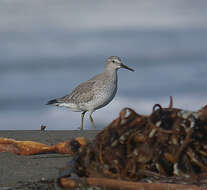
126, 67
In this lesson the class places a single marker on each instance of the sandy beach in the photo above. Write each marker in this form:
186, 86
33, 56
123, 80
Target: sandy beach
15, 168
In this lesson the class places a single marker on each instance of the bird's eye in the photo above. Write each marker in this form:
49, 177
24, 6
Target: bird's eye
113, 61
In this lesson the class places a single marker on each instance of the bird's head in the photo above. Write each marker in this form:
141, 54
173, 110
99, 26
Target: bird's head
114, 62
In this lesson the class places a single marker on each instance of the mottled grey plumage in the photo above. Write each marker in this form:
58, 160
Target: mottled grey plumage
94, 93
77, 96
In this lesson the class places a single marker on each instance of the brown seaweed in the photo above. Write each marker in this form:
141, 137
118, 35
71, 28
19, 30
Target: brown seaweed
168, 147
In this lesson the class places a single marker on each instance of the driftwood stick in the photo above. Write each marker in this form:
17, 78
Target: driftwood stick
123, 185
30, 147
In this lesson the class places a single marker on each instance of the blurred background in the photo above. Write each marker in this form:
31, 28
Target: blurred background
48, 47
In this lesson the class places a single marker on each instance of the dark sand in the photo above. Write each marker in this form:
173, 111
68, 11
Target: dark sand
14, 168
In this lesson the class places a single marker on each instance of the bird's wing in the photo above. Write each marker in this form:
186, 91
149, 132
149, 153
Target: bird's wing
82, 93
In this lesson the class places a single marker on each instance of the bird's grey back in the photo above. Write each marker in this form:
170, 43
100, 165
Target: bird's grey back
85, 91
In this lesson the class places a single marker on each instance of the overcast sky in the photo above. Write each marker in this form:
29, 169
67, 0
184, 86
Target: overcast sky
38, 15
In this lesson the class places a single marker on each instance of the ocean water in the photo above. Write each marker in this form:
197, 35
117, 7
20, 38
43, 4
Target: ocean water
47, 48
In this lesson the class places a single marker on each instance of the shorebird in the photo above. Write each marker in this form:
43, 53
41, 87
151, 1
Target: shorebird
94, 93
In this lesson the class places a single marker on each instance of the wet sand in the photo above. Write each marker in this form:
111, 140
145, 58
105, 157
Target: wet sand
15, 168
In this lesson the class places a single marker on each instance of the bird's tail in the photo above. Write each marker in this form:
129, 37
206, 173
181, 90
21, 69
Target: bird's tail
55, 102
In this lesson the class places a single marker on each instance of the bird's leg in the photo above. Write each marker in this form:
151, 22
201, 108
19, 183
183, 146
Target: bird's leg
92, 122
82, 117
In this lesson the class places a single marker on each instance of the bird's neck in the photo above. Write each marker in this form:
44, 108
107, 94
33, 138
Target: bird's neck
111, 73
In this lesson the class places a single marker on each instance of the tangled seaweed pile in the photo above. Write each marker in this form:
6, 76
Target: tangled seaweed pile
170, 145
167, 147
